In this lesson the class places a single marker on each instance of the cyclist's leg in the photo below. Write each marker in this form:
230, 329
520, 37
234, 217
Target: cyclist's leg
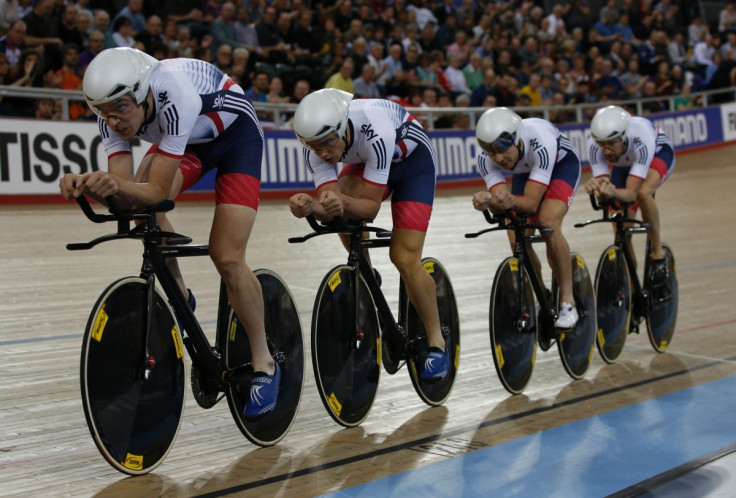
659, 170
231, 228
412, 187
551, 214
237, 154
518, 182
190, 170
650, 212
552, 210
406, 255
555, 204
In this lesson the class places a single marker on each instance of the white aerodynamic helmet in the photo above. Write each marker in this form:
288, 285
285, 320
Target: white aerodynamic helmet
116, 72
609, 123
321, 113
498, 129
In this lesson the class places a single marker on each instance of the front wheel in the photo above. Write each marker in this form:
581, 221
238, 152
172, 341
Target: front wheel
613, 303
576, 345
664, 300
132, 382
346, 346
434, 394
513, 325
284, 335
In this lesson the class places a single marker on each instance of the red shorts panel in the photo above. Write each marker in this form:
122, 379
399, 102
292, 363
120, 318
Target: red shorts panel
660, 167
560, 190
237, 188
411, 215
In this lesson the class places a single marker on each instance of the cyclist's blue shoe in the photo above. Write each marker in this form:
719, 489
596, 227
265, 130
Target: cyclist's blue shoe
192, 305
436, 365
264, 392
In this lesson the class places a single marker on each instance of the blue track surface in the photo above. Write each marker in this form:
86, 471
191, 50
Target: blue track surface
593, 457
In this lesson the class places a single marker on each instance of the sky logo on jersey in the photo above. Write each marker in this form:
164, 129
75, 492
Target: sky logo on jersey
219, 102
163, 98
368, 131
534, 144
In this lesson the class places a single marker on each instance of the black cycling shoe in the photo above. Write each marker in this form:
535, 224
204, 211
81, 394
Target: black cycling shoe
659, 272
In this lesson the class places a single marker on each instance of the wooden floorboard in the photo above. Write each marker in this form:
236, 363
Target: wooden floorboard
46, 294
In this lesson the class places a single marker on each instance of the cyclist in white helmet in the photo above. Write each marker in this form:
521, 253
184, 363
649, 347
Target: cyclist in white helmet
545, 170
198, 119
386, 151
630, 159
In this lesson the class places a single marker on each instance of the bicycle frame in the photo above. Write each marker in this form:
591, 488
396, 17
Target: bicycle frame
357, 258
204, 355
394, 333
518, 224
620, 219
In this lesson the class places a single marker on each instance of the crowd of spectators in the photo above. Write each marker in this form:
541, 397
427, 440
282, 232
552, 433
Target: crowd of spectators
421, 53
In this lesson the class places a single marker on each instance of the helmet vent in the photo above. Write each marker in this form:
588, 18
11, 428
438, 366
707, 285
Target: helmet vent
324, 130
116, 90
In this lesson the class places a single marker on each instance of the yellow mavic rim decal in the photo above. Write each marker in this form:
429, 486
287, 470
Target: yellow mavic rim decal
177, 341
335, 405
133, 462
378, 351
429, 266
334, 281
100, 322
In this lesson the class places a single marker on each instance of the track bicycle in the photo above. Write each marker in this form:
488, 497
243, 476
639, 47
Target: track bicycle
517, 324
623, 302
354, 331
132, 364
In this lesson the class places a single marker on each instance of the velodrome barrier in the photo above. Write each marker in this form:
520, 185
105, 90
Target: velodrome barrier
34, 155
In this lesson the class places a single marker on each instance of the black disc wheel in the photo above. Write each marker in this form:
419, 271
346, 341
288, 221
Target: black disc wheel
435, 393
132, 382
513, 325
346, 346
284, 335
664, 299
576, 345
613, 303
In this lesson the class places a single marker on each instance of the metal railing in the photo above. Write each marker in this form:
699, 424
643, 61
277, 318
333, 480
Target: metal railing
279, 113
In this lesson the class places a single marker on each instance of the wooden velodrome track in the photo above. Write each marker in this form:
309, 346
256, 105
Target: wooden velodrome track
46, 293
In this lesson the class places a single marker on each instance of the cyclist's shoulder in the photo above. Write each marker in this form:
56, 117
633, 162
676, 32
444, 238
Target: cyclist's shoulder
641, 127
370, 120
538, 132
